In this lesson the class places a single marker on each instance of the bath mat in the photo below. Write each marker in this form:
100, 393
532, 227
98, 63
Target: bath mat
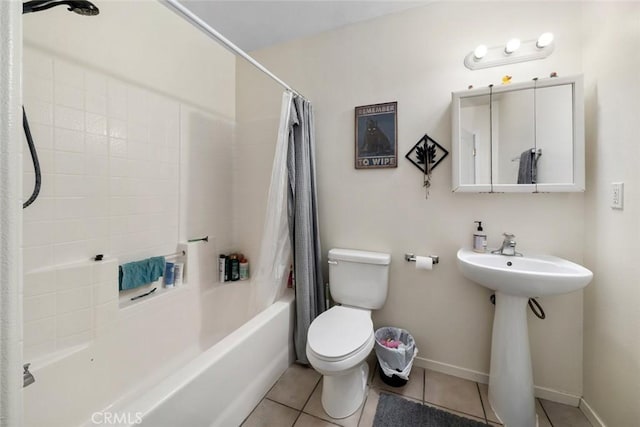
394, 411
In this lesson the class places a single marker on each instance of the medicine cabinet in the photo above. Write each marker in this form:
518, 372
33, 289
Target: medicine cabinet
521, 137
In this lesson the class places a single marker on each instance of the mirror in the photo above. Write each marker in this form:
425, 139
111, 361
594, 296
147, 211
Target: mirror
525, 137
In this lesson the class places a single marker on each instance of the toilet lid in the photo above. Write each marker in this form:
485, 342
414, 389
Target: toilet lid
339, 331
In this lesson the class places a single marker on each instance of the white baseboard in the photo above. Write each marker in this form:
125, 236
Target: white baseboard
591, 415
482, 377
456, 371
557, 396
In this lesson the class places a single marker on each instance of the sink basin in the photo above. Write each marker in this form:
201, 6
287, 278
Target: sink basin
526, 276
515, 280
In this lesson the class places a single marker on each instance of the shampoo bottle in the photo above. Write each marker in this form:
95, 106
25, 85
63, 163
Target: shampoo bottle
479, 239
222, 265
235, 268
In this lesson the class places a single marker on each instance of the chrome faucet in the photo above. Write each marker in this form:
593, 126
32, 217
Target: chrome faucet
27, 377
508, 247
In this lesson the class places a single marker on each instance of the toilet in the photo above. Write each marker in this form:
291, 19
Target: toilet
340, 339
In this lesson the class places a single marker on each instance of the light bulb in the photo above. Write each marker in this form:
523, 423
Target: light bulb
512, 46
544, 40
480, 51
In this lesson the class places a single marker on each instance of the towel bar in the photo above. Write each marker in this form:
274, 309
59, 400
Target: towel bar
537, 152
176, 254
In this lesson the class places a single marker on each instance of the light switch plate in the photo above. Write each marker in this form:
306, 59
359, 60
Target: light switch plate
617, 195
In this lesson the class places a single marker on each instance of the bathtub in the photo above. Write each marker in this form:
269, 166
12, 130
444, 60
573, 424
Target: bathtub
223, 384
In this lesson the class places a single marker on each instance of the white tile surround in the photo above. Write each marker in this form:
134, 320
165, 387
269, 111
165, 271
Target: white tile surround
109, 155
67, 306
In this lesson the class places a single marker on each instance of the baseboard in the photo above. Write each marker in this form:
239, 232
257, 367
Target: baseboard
456, 371
557, 396
482, 377
591, 415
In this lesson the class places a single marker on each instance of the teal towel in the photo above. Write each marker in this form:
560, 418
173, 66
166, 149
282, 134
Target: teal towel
139, 273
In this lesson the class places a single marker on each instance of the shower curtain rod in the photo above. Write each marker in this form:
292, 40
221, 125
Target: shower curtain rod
207, 29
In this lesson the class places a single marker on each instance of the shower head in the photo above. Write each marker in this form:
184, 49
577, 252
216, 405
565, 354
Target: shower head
80, 7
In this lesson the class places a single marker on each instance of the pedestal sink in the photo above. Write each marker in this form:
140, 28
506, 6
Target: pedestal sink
515, 280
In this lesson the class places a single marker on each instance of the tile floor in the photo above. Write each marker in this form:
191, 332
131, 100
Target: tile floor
295, 401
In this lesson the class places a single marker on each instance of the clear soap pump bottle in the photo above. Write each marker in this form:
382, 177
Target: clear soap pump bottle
479, 239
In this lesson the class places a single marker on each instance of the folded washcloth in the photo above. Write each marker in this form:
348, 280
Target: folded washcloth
138, 273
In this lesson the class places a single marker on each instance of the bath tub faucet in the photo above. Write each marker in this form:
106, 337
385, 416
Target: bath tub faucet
27, 377
508, 247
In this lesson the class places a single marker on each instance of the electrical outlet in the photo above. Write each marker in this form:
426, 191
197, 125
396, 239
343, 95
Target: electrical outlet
617, 195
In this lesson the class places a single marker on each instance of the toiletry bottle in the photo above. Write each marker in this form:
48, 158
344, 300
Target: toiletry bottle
169, 271
227, 268
235, 268
244, 268
222, 261
178, 273
479, 239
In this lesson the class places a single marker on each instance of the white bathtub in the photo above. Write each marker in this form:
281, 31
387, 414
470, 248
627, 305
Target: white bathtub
221, 386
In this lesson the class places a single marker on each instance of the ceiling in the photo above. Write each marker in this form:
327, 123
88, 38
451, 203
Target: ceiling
253, 25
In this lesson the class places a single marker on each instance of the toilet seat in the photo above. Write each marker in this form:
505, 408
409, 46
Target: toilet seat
339, 333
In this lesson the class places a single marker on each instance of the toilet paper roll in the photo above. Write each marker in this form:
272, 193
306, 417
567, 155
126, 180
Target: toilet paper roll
424, 263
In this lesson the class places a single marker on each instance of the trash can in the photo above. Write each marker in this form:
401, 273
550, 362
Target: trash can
396, 350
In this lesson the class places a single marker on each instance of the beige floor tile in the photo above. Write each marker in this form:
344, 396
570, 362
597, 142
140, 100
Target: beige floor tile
309, 421
453, 393
543, 421
295, 386
370, 407
372, 361
564, 415
484, 395
413, 389
269, 414
314, 407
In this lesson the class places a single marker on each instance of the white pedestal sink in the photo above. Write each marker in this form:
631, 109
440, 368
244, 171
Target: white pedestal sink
515, 280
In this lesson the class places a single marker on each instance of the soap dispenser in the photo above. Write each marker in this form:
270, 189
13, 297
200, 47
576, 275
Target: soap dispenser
479, 239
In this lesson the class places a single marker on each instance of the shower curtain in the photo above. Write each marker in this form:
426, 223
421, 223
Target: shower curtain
303, 222
270, 276
291, 223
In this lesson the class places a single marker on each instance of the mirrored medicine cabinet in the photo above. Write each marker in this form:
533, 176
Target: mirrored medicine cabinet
521, 137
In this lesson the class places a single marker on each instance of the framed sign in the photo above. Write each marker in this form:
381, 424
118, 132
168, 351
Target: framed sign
376, 144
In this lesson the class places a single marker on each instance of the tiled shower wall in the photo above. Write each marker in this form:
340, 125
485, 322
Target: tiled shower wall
68, 306
109, 154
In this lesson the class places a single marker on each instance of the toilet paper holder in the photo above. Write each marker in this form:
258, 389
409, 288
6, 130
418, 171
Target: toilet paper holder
409, 257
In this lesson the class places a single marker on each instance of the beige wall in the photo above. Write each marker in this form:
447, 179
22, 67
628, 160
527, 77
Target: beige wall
416, 58
612, 317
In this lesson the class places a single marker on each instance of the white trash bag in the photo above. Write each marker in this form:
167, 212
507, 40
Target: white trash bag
396, 350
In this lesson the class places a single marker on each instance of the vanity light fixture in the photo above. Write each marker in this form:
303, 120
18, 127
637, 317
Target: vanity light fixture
512, 46
480, 52
514, 51
544, 40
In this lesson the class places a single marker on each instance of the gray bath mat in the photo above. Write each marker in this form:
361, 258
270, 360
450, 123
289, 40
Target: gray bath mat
394, 411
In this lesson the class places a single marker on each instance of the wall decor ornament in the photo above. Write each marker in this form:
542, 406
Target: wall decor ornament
426, 155
376, 144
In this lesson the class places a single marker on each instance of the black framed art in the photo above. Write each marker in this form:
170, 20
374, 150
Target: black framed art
376, 144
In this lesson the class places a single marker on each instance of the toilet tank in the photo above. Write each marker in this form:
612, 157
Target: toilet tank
359, 278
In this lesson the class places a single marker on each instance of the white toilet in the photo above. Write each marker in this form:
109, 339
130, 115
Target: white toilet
340, 339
